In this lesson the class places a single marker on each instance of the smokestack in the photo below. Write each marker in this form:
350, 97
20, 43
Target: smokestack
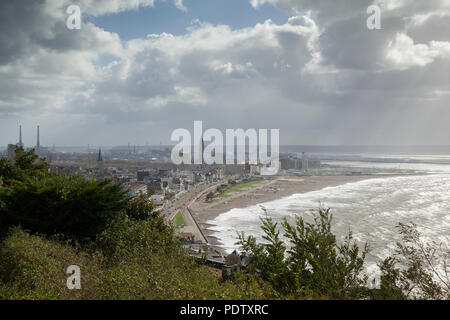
38, 144
20, 136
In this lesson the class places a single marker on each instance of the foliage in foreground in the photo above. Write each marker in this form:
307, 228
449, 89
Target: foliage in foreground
46, 203
417, 270
69, 205
130, 260
313, 264
26, 165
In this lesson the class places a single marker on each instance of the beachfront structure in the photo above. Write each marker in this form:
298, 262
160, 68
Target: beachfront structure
304, 163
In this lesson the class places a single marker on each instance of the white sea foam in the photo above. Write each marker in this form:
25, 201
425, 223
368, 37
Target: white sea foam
370, 208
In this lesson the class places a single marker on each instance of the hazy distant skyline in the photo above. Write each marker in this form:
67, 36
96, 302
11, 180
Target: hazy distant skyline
139, 69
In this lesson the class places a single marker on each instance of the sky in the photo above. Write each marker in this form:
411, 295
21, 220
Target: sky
138, 69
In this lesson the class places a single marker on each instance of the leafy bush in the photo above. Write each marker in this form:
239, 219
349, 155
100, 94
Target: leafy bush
314, 264
146, 262
32, 267
72, 206
140, 208
141, 266
417, 270
26, 165
126, 237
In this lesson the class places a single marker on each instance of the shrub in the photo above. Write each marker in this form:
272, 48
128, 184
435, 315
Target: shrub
125, 238
314, 264
72, 206
140, 208
32, 267
417, 270
144, 261
26, 164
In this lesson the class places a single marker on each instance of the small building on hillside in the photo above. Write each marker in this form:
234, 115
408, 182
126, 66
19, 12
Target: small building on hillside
232, 265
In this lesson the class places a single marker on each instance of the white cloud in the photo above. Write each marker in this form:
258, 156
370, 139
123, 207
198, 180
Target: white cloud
179, 4
166, 69
101, 7
403, 53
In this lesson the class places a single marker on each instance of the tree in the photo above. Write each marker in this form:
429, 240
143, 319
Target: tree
140, 208
313, 264
209, 196
69, 205
25, 165
417, 270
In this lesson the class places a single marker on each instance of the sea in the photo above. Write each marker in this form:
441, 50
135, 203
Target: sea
371, 209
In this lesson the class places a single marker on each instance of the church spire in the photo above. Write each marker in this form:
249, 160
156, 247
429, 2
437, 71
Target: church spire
101, 172
100, 158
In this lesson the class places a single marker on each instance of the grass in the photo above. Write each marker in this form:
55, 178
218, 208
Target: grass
178, 220
133, 261
239, 188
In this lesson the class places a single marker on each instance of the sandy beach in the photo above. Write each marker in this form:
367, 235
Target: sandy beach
277, 188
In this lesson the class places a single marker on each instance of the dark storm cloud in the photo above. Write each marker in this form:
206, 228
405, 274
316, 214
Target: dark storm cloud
22, 25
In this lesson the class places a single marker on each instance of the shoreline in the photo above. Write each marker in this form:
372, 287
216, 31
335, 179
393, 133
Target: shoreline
278, 188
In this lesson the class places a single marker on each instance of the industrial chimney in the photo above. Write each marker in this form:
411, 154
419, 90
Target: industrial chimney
38, 144
20, 137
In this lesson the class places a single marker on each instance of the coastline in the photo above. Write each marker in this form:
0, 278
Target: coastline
279, 187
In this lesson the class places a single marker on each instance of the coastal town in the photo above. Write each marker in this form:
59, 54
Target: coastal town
191, 196
186, 195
